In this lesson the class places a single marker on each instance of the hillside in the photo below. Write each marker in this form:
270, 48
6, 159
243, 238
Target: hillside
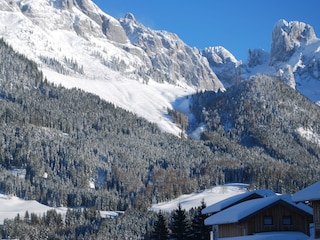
76, 138
263, 115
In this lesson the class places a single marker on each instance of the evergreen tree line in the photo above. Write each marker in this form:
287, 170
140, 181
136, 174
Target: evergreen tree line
181, 225
87, 223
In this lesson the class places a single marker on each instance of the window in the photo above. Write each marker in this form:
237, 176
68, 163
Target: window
268, 220
287, 220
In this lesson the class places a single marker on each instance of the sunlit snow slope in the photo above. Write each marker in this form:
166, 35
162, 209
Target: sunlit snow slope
149, 101
209, 196
68, 44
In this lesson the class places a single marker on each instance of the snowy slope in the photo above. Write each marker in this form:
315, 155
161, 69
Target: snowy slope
209, 196
11, 206
149, 101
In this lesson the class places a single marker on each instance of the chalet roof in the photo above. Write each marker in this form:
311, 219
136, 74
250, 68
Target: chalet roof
219, 206
242, 210
310, 193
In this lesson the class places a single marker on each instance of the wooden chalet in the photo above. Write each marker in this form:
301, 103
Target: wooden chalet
269, 214
311, 194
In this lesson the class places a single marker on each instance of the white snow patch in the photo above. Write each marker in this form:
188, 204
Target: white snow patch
309, 134
11, 206
110, 214
209, 196
19, 172
310, 193
196, 134
91, 184
272, 235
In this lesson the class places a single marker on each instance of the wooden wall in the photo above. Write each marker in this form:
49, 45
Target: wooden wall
316, 218
232, 230
255, 224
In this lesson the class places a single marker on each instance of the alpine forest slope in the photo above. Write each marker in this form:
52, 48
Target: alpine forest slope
74, 149
78, 150
265, 117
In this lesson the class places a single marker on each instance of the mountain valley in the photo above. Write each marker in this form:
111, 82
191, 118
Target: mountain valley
111, 115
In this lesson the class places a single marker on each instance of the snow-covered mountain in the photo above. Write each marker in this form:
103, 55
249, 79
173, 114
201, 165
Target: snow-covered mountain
77, 30
172, 60
294, 57
143, 70
76, 44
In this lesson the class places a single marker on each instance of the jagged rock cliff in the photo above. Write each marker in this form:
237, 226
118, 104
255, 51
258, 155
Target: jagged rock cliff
172, 59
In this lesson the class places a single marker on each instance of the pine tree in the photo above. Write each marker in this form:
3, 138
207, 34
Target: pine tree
180, 227
161, 231
199, 230
26, 216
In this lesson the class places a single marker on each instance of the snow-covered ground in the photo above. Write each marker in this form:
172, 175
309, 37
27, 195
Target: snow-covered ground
209, 196
272, 236
11, 206
309, 134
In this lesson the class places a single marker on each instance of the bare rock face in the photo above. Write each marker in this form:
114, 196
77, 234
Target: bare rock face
287, 37
223, 63
82, 16
172, 60
110, 27
257, 57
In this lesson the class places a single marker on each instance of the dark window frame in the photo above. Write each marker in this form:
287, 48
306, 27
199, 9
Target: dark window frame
268, 220
287, 220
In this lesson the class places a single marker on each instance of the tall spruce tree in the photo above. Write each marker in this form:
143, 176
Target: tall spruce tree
199, 230
180, 226
161, 231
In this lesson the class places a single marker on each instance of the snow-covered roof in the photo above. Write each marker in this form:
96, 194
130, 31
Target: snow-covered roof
217, 207
310, 193
240, 211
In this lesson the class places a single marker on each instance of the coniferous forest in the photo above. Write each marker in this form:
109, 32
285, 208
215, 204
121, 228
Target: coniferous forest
64, 139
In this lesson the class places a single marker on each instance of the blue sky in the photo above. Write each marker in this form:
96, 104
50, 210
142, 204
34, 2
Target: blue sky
238, 25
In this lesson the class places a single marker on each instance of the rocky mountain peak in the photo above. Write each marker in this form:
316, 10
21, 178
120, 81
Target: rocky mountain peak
219, 55
287, 37
130, 16
223, 64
